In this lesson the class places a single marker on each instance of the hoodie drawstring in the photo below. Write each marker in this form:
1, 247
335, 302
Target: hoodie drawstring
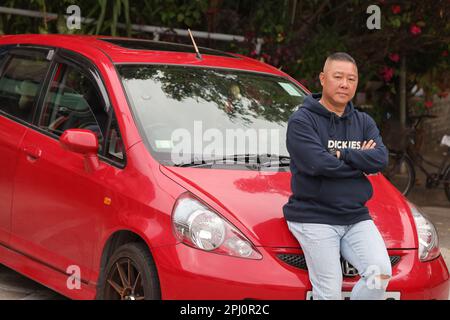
347, 123
332, 125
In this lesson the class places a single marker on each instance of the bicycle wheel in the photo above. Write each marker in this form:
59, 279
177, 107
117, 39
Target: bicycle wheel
400, 172
447, 182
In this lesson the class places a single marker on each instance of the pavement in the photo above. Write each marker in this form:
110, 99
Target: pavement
14, 286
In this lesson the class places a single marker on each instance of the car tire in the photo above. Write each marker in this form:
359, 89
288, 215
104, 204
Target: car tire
130, 274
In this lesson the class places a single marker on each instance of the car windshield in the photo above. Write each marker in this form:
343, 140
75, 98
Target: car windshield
196, 114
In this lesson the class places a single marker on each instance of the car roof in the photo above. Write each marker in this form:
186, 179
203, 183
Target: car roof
122, 50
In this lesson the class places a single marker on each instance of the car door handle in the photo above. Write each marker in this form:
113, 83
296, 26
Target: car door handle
33, 153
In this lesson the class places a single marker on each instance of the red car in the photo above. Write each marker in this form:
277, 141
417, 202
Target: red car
98, 199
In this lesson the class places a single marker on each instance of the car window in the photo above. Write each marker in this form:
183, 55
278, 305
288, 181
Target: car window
3, 55
73, 101
20, 83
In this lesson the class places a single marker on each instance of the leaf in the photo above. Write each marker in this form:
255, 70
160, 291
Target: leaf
188, 21
421, 24
101, 19
196, 15
126, 7
393, 91
116, 13
395, 22
42, 30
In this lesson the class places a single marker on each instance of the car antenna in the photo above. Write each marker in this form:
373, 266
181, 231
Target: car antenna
199, 56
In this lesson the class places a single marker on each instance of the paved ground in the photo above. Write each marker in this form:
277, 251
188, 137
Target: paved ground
13, 286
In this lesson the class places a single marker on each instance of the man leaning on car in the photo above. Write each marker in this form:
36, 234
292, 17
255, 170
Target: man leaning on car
333, 147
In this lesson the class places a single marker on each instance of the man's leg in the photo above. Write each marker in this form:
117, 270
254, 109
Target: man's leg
321, 245
363, 246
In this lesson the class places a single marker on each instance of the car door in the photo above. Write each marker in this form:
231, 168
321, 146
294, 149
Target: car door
21, 74
57, 203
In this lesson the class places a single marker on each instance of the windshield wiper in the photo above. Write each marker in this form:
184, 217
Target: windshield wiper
210, 162
277, 161
256, 163
195, 163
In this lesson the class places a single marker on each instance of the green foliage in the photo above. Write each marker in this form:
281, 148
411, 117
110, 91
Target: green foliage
171, 13
297, 34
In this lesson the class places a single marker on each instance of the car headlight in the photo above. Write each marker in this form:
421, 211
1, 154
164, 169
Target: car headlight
426, 232
197, 225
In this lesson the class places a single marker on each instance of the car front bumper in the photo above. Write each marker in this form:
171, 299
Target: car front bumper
189, 273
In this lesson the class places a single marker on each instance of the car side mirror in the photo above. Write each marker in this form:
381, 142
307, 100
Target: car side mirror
84, 142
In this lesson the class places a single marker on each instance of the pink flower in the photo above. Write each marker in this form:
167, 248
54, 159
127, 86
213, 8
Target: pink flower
394, 57
415, 30
428, 104
444, 53
396, 9
387, 73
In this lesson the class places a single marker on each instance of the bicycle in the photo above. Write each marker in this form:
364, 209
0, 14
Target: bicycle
401, 170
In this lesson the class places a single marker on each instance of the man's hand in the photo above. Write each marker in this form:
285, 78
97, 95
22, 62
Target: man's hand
366, 146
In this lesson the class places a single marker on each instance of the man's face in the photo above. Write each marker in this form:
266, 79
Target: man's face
339, 80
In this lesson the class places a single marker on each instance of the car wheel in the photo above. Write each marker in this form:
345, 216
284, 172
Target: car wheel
130, 275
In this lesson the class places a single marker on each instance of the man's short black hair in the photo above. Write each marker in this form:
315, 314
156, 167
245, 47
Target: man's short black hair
341, 56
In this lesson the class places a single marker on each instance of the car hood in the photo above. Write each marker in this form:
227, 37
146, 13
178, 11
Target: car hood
256, 199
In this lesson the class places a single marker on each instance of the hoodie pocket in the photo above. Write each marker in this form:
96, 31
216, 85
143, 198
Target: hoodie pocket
345, 193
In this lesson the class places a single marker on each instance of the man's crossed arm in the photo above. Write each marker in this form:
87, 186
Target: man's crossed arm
373, 156
309, 155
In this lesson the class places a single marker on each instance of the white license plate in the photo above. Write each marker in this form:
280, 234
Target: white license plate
346, 295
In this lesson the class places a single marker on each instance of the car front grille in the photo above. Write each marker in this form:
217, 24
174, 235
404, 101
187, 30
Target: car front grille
298, 261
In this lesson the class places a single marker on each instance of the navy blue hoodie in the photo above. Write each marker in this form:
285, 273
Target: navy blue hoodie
326, 189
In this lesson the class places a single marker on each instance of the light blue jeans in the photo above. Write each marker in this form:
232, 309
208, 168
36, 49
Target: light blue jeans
360, 244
